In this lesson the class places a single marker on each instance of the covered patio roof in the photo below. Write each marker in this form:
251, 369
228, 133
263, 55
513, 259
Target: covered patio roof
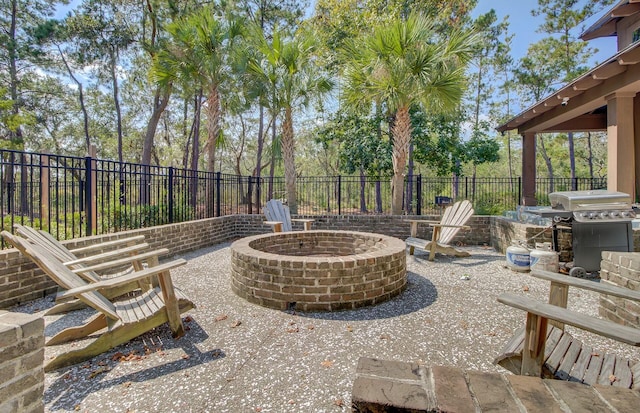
581, 104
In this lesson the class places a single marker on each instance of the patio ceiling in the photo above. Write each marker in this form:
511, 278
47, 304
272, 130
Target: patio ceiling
581, 104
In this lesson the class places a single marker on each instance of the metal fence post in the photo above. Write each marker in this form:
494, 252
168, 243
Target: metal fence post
249, 193
44, 191
170, 194
419, 194
88, 195
218, 191
519, 191
339, 194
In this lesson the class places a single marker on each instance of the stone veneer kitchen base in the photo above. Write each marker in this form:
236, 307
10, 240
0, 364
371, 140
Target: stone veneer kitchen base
318, 270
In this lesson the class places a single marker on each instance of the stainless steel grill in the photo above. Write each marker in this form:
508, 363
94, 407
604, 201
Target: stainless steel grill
600, 220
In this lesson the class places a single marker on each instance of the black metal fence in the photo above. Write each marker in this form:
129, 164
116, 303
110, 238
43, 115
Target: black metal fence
75, 196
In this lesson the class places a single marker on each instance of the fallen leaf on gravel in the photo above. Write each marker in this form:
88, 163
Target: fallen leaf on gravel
186, 357
612, 378
235, 324
76, 407
221, 317
595, 354
293, 330
385, 337
117, 356
292, 323
338, 402
188, 319
491, 333
98, 371
292, 402
310, 327
525, 288
327, 363
349, 328
127, 384
258, 409
464, 324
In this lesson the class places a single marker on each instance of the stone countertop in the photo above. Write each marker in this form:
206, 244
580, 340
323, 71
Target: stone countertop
239, 357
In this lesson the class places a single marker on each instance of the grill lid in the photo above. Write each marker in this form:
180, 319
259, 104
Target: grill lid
599, 199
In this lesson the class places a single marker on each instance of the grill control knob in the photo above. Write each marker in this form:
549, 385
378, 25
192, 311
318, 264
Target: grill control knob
593, 215
584, 215
614, 214
625, 214
604, 215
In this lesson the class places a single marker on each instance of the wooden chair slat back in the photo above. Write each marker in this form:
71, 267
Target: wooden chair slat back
60, 274
274, 210
456, 214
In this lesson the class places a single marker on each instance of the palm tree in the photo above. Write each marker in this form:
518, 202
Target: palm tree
198, 56
285, 69
401, 64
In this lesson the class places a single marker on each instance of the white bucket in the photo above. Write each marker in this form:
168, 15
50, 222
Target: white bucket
544, 260
518, 258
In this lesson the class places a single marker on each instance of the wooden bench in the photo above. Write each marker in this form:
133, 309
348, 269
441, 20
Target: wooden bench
393, 386
542, 348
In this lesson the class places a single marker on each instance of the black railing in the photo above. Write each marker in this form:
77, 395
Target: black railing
74, 196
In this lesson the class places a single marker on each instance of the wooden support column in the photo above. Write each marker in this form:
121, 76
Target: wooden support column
529, 169
621, 164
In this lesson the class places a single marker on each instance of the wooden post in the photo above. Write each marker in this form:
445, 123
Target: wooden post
44, 191
533, 349
558, 296
528, 169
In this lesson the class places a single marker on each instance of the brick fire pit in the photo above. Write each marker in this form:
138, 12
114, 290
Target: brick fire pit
318, 270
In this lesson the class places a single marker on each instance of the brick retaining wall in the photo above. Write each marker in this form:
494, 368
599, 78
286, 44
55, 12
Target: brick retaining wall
21, 362
22, 281
622, 269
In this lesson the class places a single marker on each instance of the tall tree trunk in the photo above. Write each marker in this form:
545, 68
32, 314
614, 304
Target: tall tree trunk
116, 100
257, 172
160, 101
14, 135
409, 192
213, 133
547, 161
572, 160
195, 156
85, 115
401, 137
590, 155
288, 156
272, 165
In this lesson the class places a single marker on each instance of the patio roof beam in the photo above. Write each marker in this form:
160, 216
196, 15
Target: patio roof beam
630, 58
585, 102
585, 123
608, 71
626, 10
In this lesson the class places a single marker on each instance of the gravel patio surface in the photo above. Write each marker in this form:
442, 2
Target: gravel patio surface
240, 357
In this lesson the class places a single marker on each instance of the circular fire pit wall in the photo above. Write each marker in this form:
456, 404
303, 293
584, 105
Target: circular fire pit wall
318, 270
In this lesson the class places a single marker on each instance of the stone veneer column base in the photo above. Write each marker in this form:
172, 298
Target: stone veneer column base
621, 269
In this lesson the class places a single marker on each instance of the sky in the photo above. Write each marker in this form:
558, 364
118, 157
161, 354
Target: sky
523, 25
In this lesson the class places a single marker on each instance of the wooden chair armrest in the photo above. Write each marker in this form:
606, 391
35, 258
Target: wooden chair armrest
113, 282
598, 326
107, 244
272, 223
302, 220
422, 221
450, 226
587, 285
108, 254
121, 261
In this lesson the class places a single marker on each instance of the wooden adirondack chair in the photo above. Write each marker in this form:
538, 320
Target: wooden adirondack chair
92, 267
453, 220
279, 217
124, 320
542, 348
